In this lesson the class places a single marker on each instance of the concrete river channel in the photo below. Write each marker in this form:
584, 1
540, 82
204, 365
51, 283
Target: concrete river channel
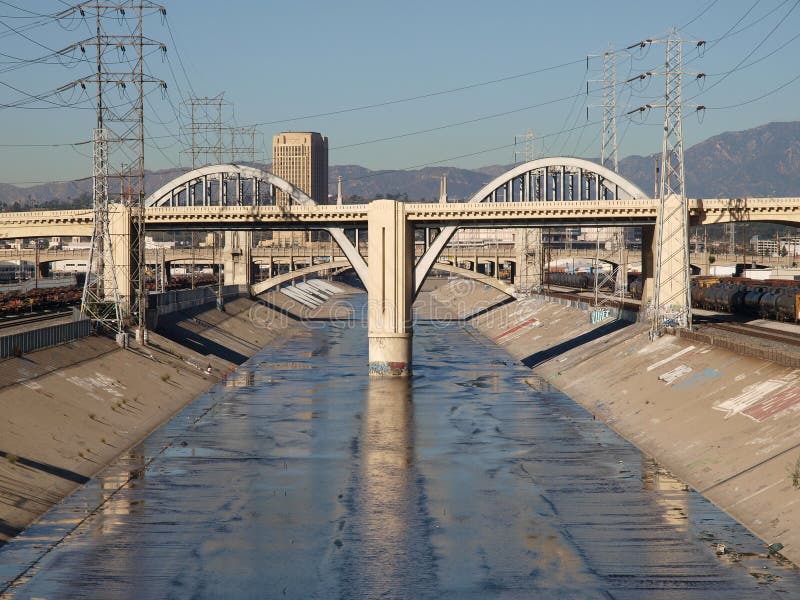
302, 477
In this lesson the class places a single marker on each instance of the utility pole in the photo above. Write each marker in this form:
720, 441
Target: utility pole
672, 304
118, 135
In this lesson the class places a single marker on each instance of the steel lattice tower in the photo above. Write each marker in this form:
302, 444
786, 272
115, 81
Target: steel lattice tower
243, 144
671, 299
100, 301
121, 126
206, 129
530, 260
608, 151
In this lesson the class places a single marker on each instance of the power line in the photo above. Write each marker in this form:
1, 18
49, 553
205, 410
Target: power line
757, 98
421, 96
726, 74
700, 14
458, 124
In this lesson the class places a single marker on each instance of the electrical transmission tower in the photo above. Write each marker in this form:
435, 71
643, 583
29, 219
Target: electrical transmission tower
608, 147
531, 254
609, 157
206, 131
528, 151
100, 301
118, 170
672, 305
243, 144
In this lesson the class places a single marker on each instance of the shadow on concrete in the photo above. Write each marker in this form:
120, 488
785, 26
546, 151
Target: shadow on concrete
8, 531
48, 468
173, 327
200, 344
483, 311
722, 318
465, 319
543, 356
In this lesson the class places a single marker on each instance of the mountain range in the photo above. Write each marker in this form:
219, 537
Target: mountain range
763, 161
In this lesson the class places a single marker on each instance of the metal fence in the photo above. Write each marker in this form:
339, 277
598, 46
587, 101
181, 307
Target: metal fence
16, 344
174, 301
771, 354
597, 314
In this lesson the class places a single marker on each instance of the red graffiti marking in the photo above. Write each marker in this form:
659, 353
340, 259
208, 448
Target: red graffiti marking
517, 328
772, 406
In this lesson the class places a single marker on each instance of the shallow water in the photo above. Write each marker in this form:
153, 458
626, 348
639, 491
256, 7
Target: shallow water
301, 477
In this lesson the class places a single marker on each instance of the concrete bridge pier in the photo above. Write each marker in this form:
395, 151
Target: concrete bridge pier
120, 236
648, 263
528, 271
238, 257
391, 289
673, 255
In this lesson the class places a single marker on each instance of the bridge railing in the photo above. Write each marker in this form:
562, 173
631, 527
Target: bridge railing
16, 344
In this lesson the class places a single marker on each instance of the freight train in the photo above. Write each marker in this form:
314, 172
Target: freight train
180, 282
581, 281
771, 299
14, 303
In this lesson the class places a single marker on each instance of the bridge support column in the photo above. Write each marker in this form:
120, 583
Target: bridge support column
238, 257
391, 289
671, 279
528, 243
122, 249
648, 263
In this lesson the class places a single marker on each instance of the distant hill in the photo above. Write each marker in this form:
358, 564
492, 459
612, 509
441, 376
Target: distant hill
764, 161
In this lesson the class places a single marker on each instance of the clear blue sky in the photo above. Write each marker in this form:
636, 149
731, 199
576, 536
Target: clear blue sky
279, 61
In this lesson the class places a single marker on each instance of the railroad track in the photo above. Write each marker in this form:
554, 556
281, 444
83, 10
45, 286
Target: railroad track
765, 333
586, 296
28, 319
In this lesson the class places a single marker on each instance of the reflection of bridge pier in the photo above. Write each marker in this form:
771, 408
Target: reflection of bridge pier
387, 510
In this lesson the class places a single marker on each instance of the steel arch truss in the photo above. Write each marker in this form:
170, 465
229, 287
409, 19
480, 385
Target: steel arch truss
543, 180
242, 185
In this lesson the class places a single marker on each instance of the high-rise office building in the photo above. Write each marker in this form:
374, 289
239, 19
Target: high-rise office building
301, 158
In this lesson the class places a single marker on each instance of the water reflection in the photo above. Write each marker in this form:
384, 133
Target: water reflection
116, 505
387, 551
240, 378
672, 495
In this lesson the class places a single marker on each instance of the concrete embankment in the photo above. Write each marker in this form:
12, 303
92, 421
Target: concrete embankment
726, 424
67, 411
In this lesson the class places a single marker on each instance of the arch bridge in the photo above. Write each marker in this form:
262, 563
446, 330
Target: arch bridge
546, 192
